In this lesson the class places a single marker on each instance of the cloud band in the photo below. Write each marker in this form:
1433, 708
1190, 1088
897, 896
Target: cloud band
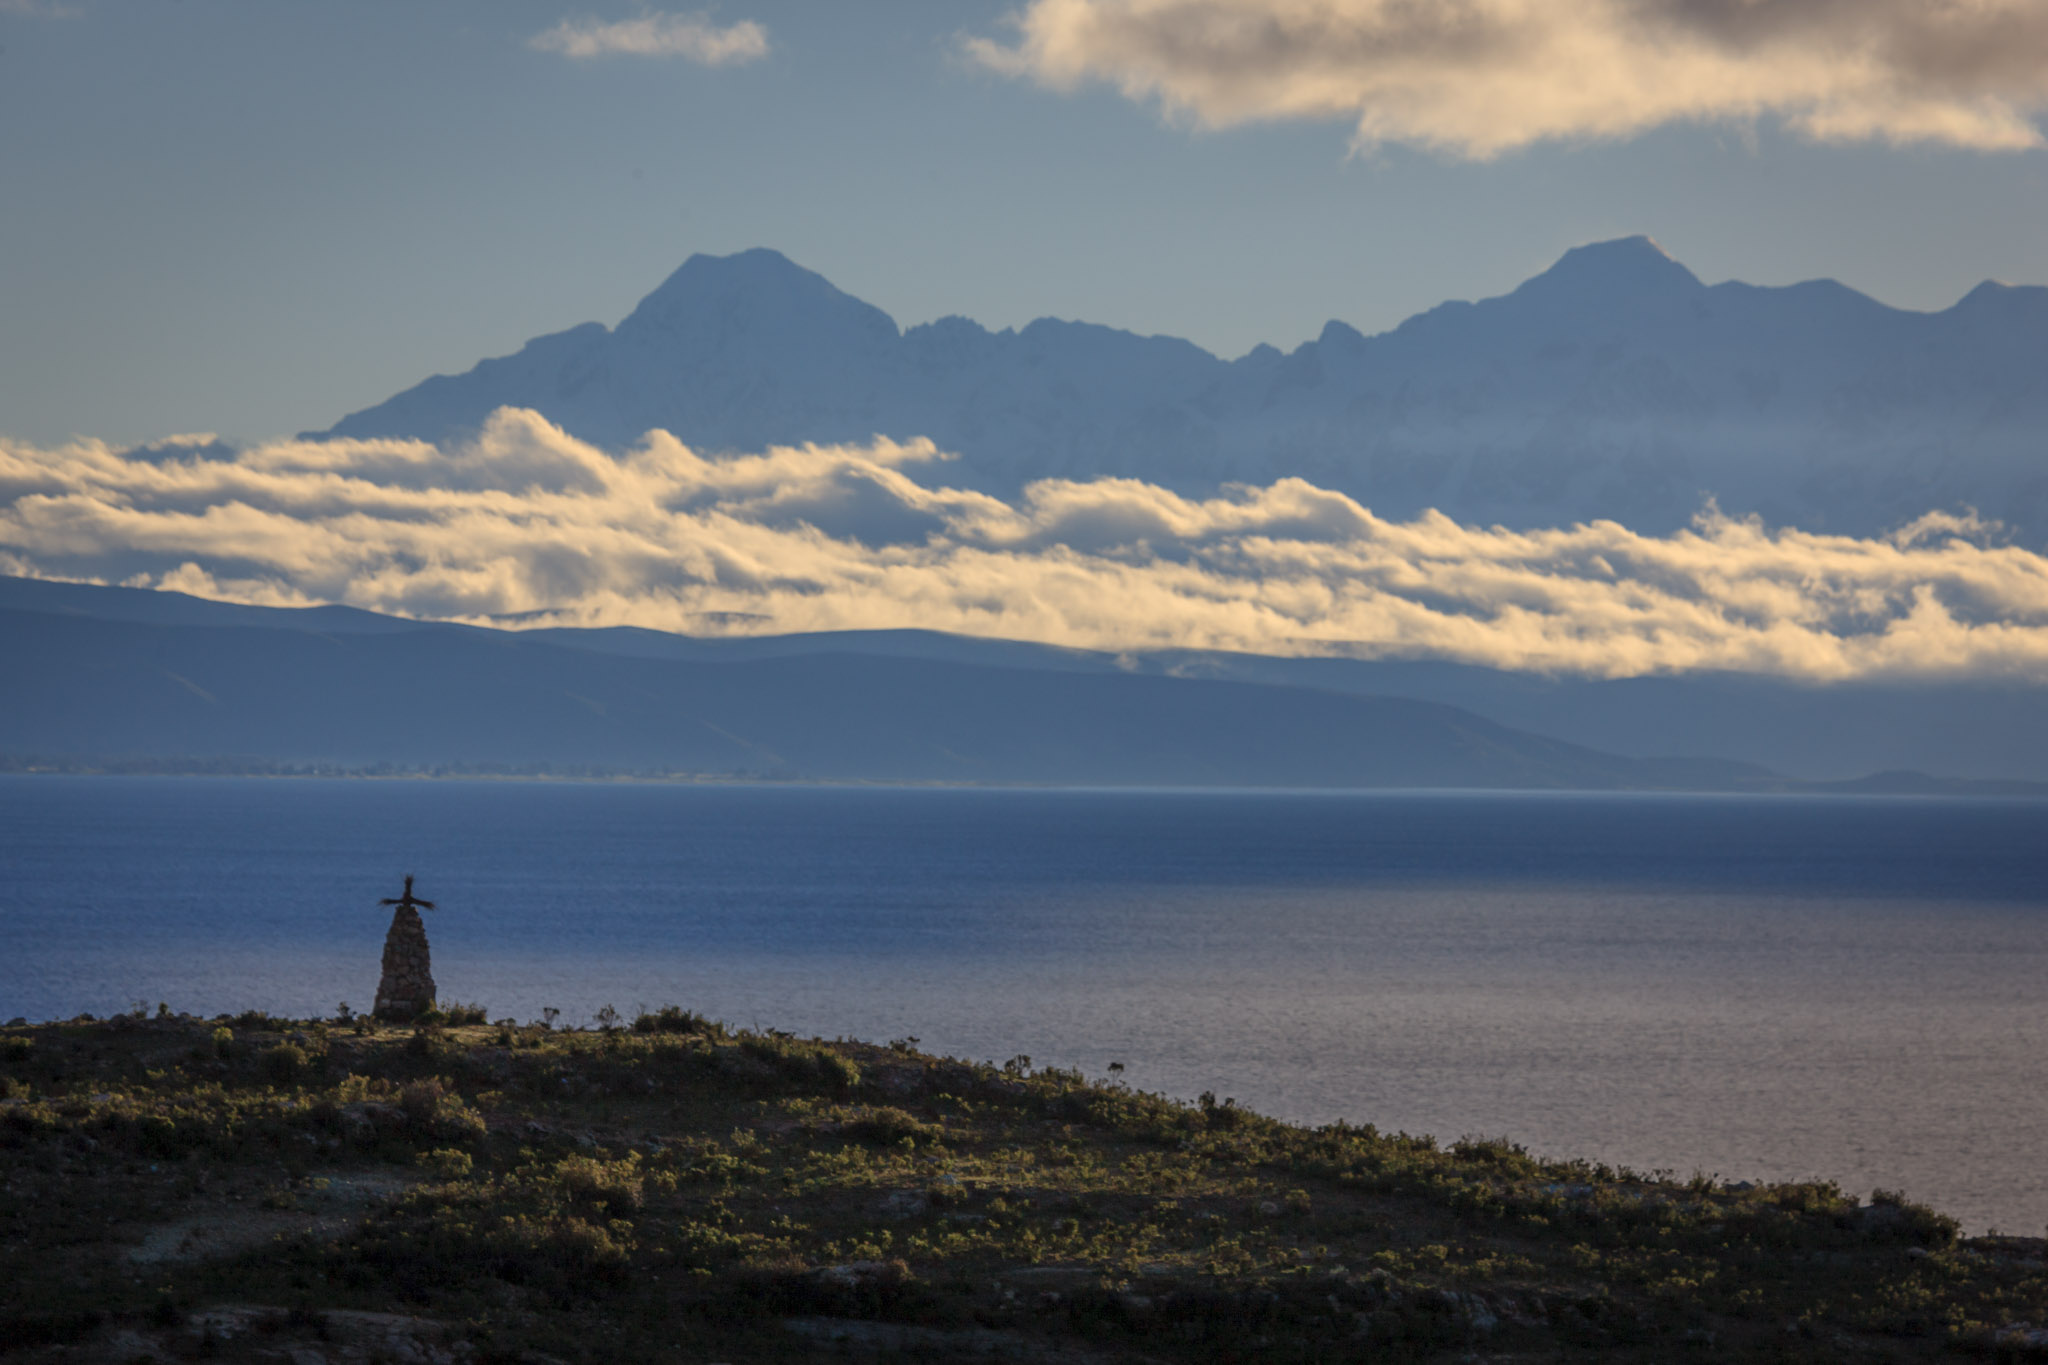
690, 36
526, 520
1479, 77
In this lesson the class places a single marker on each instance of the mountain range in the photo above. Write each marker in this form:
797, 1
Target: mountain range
102, 676
1613, 385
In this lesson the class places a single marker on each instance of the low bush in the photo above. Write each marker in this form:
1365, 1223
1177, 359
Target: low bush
611, 1188
445, 1236
1891, 1217
673, 1019
448, 1163
803, 1064
435, 1112
887, 1126
285, 1063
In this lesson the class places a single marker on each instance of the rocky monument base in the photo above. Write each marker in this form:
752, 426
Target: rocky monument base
407, 988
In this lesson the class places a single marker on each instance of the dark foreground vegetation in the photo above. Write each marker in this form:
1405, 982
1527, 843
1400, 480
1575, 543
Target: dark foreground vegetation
662, 1189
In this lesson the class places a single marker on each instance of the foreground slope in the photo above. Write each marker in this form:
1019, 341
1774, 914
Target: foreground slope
254, 1189
1615, 384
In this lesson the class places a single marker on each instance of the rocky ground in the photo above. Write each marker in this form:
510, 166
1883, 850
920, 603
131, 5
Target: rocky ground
311, 1191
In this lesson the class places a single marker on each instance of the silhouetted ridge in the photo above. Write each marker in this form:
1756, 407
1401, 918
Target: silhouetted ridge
751, 291
1624, 270
1996, 299
1614, 385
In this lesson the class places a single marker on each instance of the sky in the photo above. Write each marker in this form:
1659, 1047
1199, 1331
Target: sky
252, 218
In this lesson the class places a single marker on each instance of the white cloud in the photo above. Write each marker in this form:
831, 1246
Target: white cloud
525, 520
1478, 77
690, 36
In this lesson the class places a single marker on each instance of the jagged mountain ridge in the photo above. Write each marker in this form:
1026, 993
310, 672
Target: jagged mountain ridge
1615, 384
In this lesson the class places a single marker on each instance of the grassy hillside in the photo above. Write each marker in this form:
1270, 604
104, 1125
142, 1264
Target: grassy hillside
262, 1189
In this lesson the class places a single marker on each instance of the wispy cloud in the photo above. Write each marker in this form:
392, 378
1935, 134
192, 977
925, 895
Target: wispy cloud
690, 36
1478, 77
525, 519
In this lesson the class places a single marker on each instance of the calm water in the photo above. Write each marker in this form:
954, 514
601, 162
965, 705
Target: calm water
1750, 986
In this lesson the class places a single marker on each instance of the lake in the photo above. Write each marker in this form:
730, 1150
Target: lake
1754, 986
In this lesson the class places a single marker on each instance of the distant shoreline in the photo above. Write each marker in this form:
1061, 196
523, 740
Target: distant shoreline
1910, 784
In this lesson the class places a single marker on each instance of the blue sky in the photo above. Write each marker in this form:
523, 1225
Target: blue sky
251, 218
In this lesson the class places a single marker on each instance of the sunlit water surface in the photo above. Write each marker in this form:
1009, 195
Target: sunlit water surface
1759, 987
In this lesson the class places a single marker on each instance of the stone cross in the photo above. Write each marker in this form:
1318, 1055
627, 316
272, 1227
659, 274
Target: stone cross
407, 988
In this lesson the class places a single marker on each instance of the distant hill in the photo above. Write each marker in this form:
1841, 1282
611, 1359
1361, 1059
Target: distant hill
94, 675
1614, 385
76, 687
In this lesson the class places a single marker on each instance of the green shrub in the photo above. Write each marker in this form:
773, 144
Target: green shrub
284, 1063
1891, 1217
707, 1245
673, 1019
613, 1188
448, 1163
888, 1126
434, 1239
159, 1135
804, 1064
1498, 1154
708, 1163
433, 1111
223, 1041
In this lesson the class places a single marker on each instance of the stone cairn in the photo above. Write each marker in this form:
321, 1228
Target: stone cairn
407, 988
